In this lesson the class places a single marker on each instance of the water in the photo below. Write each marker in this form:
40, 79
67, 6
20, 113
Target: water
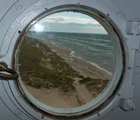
96, 48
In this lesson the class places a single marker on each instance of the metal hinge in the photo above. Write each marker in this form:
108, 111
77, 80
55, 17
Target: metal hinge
133, 27
7, 73
127, 104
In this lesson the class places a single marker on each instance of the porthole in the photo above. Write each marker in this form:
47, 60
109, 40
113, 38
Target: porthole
69, 61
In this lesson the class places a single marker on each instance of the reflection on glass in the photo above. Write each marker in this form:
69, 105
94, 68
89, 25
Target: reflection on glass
66, 60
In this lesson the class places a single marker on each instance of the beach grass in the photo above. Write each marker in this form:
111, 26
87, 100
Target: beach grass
94, 85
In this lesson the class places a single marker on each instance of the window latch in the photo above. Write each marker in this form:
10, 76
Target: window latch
7, 73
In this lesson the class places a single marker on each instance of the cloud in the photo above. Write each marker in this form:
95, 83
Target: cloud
73, 28
76, 24
69, 20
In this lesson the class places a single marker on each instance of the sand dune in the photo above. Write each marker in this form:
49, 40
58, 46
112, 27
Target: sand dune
81, 94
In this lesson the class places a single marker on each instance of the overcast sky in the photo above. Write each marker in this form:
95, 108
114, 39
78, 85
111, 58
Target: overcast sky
68, 22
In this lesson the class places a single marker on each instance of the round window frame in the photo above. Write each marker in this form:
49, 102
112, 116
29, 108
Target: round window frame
88, 107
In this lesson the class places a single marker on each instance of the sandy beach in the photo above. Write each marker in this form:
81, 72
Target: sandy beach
88, 79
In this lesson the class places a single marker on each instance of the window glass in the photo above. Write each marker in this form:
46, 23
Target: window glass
66, 60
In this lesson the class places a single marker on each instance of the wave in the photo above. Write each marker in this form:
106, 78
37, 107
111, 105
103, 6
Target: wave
72, 53
82, 40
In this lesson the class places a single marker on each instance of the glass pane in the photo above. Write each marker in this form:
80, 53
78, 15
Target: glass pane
66, 60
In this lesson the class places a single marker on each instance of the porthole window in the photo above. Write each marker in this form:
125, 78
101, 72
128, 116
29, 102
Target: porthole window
69, 62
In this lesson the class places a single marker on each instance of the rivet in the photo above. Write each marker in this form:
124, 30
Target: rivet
19, 31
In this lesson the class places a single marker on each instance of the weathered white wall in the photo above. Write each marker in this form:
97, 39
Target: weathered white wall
129, 9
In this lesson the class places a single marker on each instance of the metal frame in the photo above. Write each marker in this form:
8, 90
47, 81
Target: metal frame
107, 92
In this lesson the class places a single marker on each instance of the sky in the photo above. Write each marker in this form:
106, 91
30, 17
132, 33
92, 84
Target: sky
72, 22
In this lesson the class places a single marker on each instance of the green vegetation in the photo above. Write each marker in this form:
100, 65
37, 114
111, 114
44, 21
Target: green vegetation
52, 72
40, 67
94, 85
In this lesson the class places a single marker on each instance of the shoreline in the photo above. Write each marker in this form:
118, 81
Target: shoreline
49, 42
78, 63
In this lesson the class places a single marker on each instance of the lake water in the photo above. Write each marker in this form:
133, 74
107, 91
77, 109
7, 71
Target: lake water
95, 48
